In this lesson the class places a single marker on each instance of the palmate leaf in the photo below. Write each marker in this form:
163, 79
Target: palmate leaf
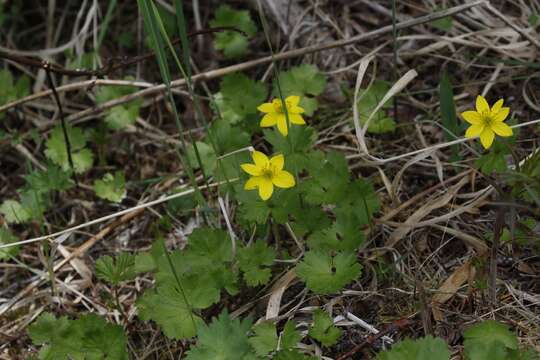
10, 91
115, 271
32, 205
14, 212
326, 274
51, 179
368, 101
265, 339
168, 308
489, 340
491, 331
494, 160
427, 348
89, 337
188, 279
111, 187
329, 180
323, 329
223, 339
122, 115
57, 150
6, 237
290, 337
254, 261
233, 43
305, 81
253, 93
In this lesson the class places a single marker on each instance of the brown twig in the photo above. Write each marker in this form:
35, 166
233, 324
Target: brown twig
111, 64
395, 326
497, 231
46, 67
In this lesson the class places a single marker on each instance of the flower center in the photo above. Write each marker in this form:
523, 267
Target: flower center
486, 117
268, 173
278, 106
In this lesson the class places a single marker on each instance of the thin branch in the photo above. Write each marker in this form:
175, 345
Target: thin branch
47, 69
113, 64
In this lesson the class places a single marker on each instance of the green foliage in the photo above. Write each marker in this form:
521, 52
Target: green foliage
111, 187
265, 339
233, 43
10, 91
85, 61
305, 81
525, 182
193, 279
323, 329
35, 194
14, 212
427, 348
253, 94
368, 101
51, 179
6, 237
224, 338
290, 337
448, 112
226, 139
494, 160
123, 115
207, 155
57, 149
533, 19
292, 355
326, 274
167, 306
86, 338
115, 271
523, 232
167, 20
489, 340
444, 24
254, 261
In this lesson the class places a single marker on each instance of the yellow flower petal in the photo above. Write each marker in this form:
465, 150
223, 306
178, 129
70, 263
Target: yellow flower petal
277, 162
296, 110
486, 137
268, 120
474, 131
502, 114
293, 100
482, 104
251, 169
297, 119
252, 183
497, 106
266, 108
501, 129
265, 188
472, 117
259, 159
282, 125
284, 179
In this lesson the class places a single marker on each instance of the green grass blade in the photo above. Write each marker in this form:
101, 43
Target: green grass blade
153, 27
448, 112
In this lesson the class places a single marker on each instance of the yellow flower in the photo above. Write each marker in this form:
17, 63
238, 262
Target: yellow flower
265, 173
275, 114
486, 122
